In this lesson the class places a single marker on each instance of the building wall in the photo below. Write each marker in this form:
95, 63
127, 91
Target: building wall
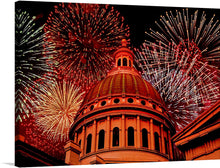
134, 153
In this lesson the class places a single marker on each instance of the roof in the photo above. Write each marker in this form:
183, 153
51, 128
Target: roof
123, 84
206, 123
123, 80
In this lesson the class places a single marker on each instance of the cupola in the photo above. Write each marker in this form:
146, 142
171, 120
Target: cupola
123, 56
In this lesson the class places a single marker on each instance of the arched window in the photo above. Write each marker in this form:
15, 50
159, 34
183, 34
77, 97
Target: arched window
124, 61
166, 147
156, 140
129, 63
89, 141
119, 62
115, 137
130, 136
101, 139
80, 143
144, 138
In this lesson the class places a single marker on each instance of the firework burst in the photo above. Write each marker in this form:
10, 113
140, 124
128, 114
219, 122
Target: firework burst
192, 35
80, 39
186, 96
29, 62
57, 108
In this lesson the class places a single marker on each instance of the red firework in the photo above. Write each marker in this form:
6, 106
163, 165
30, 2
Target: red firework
80, 39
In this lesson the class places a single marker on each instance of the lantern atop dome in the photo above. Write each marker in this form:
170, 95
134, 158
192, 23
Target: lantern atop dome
124, 57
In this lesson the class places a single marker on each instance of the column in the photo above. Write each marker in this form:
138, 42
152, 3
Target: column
162, 139
151, 135
94, 132
138, 144
83, 140
123, 139
189, 155
186, 154
170, 146
107, 138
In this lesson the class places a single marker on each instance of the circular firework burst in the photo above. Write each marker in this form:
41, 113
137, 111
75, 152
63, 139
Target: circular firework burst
29, 62
186, 96
191, 35
57, 106
80, 39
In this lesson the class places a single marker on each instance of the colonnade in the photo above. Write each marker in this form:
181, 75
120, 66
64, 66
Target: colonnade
123, 138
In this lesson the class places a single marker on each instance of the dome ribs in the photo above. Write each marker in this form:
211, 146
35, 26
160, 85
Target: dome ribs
135, 85
123, 83
117, 84
147, 90
111, 83
101, 88
129, 84
105, 89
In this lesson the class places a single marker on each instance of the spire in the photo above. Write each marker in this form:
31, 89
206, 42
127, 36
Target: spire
124, 43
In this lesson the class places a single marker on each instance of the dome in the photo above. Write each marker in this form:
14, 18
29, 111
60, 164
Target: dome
123, 84
121, 116
123, 80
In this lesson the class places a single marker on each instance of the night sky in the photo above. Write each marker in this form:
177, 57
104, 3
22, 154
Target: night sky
138, 18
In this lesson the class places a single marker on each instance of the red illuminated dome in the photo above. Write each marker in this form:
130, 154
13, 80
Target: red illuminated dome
123, 80
122, 119
125, 84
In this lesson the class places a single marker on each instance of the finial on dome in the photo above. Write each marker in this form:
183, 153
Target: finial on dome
124, 43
